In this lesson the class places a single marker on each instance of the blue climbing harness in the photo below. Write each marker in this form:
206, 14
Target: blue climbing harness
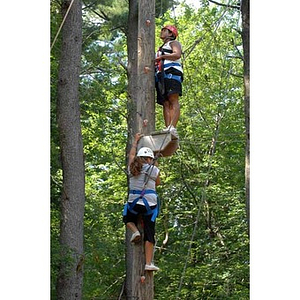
130, 206
169, 76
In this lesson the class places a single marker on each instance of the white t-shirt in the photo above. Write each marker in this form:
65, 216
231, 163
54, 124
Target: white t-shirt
170, 63
137, 183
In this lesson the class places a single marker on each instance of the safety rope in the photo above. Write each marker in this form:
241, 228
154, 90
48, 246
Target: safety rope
203, 194
192, 46
61, 25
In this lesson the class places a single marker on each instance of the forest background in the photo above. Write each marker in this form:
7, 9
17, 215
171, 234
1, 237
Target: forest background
202, 241
34, 157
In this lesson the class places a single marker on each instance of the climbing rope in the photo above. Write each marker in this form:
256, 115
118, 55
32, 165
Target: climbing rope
203, 197
216, 25
211, 153
61, 25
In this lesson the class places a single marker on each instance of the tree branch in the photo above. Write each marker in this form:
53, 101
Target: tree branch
236, 75
235, 56
226, 5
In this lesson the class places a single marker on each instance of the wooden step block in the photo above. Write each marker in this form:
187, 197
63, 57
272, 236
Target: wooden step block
160, 142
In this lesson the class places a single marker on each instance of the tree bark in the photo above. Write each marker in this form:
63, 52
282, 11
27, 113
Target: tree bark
246, 46
70, 278
141, 118
141, 87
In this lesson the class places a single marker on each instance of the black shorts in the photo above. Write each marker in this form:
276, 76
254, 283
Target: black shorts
149, 226
167, 86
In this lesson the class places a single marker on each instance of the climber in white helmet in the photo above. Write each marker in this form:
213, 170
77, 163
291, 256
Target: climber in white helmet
142, 199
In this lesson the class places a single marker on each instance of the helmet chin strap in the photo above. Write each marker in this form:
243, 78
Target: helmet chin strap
171, 38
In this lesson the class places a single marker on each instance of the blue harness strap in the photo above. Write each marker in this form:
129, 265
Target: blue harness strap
170, 76
130, 206
172, 65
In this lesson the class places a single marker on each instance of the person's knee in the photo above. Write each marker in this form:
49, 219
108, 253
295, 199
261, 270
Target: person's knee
150, 239
174, 99
166, 104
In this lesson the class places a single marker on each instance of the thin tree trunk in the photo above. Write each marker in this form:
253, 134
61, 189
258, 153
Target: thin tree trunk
246, 47
141, 118
70, 278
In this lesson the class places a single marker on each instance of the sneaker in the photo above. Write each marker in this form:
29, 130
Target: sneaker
166, 129
169, 128
135, 237
151, 268
174, 131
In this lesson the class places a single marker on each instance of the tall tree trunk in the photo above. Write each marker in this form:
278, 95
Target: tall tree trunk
141, 118
70, 278
246, 47
140, 45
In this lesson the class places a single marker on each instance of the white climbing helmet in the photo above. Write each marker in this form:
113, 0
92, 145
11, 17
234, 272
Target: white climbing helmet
145, 152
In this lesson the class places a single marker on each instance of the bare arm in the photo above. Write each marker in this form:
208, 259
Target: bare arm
132, 151
158, 181
176, 48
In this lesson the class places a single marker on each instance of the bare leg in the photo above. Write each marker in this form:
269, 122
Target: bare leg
166, 113
149, 252
131, 226
136, 236
174, 109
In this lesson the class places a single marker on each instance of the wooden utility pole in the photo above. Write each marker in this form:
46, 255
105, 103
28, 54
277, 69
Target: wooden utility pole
141, 118
141, 87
